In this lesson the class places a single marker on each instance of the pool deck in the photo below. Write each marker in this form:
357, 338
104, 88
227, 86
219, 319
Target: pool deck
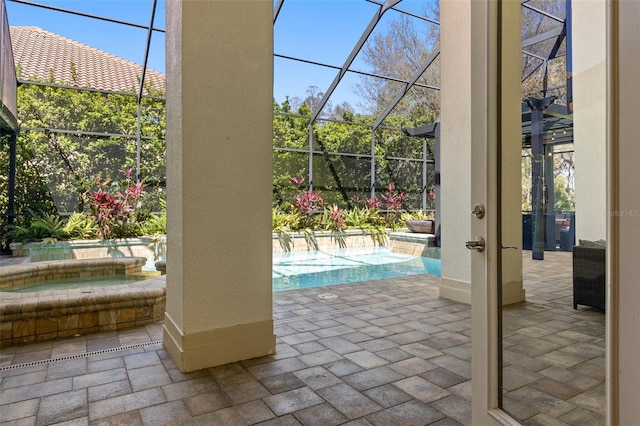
387, 352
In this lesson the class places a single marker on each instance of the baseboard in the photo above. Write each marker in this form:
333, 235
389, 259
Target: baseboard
459, 291
512, 292
211, 348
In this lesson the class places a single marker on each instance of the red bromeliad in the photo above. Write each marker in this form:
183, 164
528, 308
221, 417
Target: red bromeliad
114, 211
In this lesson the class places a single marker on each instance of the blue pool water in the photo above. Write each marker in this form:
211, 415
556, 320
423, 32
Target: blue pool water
298, 270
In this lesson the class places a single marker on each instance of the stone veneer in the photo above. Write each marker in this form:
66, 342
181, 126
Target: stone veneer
46, 315
414, 243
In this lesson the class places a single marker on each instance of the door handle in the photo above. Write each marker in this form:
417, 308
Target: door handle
477, 244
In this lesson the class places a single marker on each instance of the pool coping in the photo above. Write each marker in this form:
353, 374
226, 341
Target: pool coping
46, 315
33, 272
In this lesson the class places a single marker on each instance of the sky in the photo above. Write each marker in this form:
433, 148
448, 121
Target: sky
323, 31
123, 41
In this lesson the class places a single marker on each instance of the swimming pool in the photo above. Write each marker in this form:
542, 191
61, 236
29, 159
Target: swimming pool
298, 270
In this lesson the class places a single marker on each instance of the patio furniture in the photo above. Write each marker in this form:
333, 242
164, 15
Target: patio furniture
589, 277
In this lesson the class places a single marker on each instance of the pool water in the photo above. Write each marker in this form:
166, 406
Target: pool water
77, 283
299, 270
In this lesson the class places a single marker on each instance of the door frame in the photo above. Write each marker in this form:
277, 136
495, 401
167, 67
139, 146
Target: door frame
623, 211
492, 24
622, 345
485, 370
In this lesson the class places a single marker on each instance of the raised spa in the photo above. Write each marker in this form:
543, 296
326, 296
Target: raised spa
46, 315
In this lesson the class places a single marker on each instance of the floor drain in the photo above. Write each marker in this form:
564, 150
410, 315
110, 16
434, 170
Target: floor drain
327, 296
79, 355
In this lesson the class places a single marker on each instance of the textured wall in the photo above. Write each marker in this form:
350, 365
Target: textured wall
590, 118
625, 192
219, 149
455, 144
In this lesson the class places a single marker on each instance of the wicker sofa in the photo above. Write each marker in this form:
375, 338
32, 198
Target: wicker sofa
589, 276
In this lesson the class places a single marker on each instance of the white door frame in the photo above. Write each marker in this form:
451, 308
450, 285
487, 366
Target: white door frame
623, 232
623, 213
492, 41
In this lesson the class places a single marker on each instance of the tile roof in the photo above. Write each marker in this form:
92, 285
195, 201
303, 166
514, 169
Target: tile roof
38, 53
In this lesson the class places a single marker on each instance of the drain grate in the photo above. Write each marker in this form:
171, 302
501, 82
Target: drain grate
77, 356
326, 296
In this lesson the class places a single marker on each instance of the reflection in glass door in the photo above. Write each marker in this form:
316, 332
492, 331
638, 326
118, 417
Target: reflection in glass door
553, 353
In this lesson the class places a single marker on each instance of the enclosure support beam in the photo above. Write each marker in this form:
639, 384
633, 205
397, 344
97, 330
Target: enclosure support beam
372, 179
550, 211
438, 191
11, 196
537, 185
425, 180
537, 175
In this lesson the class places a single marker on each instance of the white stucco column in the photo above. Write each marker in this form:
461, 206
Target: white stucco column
455, 148
589, 117
511, 156
219, 150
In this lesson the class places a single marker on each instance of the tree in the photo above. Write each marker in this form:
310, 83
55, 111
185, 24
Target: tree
290, 148
398, 53
563, 200
538, 81
563, 186
343, 169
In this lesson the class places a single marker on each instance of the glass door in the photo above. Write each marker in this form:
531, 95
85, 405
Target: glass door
489, 22
553, 341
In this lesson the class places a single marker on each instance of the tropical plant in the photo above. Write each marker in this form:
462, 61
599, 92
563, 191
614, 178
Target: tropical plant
416, 215
47, 227
80, 226
114, 205
333, 220
360, 217
155, 224
56, 167
308, 214
367, 220
283, 224
394, 203
307, 203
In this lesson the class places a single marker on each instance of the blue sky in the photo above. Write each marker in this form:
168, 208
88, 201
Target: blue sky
126, 42
324, 31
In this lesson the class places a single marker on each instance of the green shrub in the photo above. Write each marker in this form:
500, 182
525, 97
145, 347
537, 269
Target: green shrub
155, 224
81, 227
45, 227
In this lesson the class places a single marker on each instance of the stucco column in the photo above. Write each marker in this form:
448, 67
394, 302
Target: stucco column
219, 150
589, 117
455, 149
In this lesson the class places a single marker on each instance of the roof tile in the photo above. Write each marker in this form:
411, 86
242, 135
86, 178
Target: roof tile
40, 54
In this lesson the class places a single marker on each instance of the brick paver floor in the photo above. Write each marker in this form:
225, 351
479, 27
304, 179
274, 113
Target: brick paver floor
387, 352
